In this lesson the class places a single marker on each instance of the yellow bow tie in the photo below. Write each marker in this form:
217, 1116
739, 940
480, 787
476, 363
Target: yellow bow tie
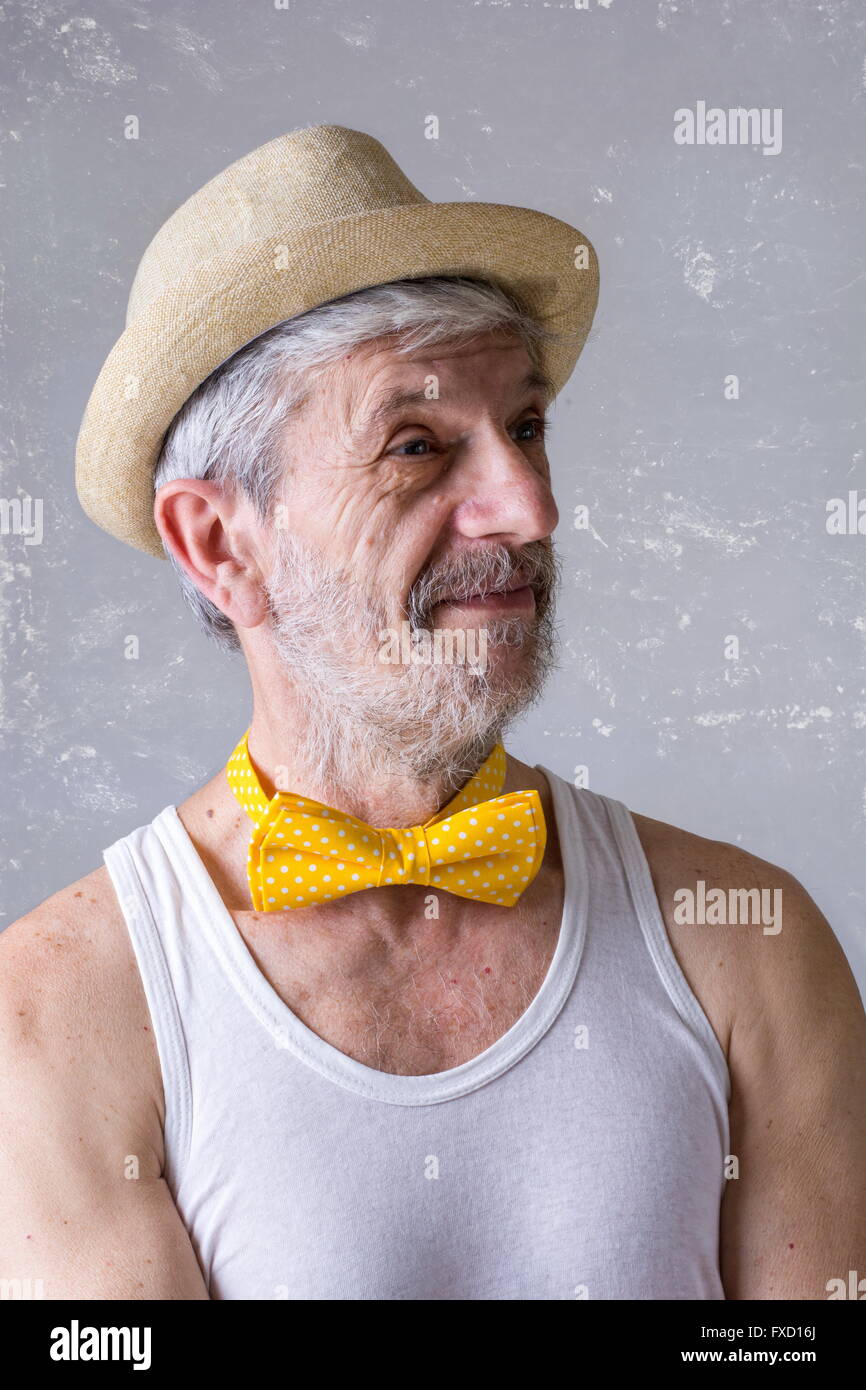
302, 853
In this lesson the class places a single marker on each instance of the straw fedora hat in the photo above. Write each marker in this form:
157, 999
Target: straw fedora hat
306, 218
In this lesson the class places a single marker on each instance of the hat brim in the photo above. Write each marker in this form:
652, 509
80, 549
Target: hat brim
196, 324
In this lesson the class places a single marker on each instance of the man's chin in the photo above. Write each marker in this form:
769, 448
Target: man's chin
499, 670
504, 645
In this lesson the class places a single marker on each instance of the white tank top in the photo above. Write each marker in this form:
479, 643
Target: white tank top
581, 1155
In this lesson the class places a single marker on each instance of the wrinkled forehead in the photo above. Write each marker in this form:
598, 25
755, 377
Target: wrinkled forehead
370, 387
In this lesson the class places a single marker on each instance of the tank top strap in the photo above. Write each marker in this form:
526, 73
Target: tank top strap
615, 860
151, 899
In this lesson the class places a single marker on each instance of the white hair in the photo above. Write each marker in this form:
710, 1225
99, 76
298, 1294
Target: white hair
230, 430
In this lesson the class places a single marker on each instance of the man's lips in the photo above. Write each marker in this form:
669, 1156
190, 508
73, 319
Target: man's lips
510, 599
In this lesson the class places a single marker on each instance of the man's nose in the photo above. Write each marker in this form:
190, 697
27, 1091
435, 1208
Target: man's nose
504, 492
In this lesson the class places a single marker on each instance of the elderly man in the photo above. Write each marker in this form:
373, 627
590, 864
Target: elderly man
381, 1012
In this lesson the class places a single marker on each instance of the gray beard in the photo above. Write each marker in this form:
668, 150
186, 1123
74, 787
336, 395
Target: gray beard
425, 721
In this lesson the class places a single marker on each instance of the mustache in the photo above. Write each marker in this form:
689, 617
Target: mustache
474, 572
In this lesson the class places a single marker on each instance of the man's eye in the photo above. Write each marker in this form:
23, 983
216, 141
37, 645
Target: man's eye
411, 444
538, 424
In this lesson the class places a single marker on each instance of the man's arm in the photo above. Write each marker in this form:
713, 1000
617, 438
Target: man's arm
796, 1216
84, 1207
788, 1015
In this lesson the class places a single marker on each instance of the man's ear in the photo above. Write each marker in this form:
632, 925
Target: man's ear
213, 537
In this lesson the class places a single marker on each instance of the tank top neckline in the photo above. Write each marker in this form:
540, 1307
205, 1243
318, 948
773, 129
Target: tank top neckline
213, 919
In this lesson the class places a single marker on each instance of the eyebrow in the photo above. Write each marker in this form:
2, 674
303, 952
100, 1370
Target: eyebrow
398, 399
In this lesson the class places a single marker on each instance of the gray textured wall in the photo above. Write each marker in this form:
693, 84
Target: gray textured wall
707, 516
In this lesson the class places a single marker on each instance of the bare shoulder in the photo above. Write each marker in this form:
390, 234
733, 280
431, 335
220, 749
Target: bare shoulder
73, 1012
747, 935
776, 986
87, 1211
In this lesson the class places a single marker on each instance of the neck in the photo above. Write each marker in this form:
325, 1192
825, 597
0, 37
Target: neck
380, 779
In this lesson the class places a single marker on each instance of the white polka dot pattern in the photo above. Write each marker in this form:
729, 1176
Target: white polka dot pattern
302, 853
